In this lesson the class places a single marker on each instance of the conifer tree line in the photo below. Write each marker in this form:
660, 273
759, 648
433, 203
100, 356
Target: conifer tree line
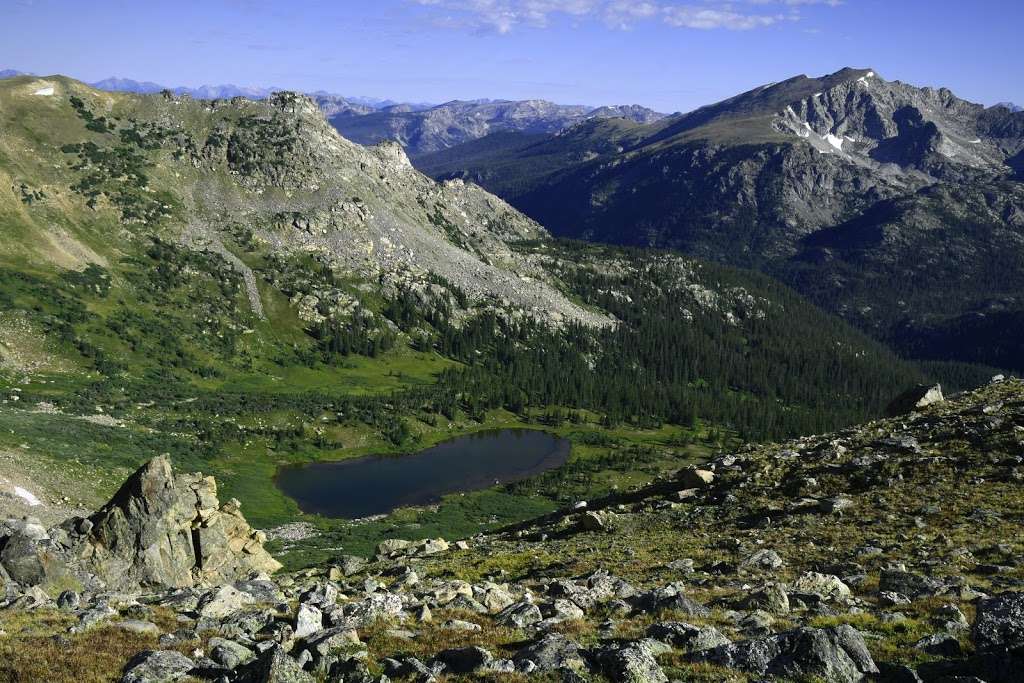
786, 370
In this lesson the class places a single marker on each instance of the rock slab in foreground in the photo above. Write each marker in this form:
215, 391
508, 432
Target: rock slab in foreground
836, 655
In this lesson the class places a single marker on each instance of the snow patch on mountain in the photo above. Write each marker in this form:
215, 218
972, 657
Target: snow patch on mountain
835, 141
27, 496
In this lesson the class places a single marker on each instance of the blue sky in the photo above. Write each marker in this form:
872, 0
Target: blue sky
667, 54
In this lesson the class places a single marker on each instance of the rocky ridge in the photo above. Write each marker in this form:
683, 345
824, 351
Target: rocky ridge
273, 173
882, 552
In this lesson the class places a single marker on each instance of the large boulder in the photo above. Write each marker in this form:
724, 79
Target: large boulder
630, 664
553, 653
825, 585
670, 597
170, 531
157, 666
273, 666
915, 398
687, 637
907, 583
834, 655
28, 556
999, 624
465, 660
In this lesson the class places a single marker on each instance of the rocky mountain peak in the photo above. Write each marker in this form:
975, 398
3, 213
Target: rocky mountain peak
393, 155
870, 121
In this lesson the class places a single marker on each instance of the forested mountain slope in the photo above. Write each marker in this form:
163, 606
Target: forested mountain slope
772, 178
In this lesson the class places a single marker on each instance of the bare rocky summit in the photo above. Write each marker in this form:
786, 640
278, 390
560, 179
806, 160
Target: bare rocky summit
273, 174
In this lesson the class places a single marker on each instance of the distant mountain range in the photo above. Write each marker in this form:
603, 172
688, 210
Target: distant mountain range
453, 123
900, 208
227, 91
420, 128
1011, 106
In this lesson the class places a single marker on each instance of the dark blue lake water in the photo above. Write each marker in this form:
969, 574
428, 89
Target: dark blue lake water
378, 484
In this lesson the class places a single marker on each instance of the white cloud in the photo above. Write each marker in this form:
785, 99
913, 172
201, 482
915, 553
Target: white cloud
705, 18
504, 16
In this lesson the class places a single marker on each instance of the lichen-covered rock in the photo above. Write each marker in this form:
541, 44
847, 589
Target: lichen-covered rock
520, 615
274, 666
826, 585
553, 652
631, 664
687, 637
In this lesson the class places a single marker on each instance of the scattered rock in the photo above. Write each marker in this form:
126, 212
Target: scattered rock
465, 660
763, 560
308, 621
941, 644
223, 602
228, 653
274, 666
520, 615
631, 664
553, 652
772, 598
591, 521
687, 637
695, 478
825, 585
907, 583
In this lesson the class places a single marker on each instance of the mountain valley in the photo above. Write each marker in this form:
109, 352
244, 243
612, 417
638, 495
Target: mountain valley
706, 314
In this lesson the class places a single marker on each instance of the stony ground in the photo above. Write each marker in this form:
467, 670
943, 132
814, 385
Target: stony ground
889, 551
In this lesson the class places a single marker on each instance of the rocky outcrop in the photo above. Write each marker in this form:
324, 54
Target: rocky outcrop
170, 530
159, 530
915, 398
